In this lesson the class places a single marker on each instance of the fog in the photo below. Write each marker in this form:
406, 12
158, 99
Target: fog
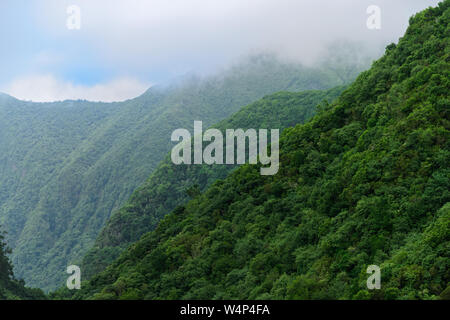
187, 34
154, 40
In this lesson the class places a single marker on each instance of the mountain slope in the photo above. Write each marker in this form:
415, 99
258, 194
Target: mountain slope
66, 166
10, 288
365, 182
166, 188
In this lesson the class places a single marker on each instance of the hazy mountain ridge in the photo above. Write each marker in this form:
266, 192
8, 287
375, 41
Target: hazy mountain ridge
65, 166
365, 182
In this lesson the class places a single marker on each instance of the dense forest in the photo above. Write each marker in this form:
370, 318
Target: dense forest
11, 288
366, 181
171, 185
66, 166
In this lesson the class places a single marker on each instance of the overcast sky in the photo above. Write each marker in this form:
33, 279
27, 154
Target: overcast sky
123, 47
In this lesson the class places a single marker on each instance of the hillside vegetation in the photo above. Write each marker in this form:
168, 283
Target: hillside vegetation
171, 185
66, 166
10, 288
366, 181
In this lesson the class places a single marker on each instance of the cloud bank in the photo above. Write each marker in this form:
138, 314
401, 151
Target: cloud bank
156, 40
140, 33
44, 88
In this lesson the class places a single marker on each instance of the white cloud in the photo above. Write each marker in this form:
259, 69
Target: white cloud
45, 88
173, 34
47, 58
159, 40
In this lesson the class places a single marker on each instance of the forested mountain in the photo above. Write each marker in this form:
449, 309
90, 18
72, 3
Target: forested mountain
10, 288
66, 166
171, 185
365, 182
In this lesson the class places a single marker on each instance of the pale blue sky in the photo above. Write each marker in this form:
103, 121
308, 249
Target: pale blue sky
123, 47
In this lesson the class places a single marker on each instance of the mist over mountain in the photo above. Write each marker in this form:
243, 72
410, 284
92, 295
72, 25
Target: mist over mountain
94, 90
66, 166
365, 182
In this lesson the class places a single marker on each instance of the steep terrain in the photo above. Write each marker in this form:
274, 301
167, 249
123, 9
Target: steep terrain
169, 184
66, 166
365, 182
10, 288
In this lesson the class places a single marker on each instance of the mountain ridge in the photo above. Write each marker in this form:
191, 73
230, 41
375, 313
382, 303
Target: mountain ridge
66, 166
365, 182
166, 187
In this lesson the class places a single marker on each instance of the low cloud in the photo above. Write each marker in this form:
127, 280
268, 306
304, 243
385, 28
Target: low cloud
159, 40
180, 34
44, 88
